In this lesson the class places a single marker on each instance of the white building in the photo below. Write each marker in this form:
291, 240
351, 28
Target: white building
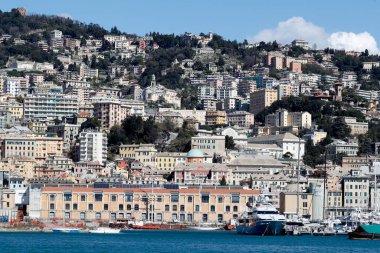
288, 142
50, 105
93, 147
209, 144
284, 118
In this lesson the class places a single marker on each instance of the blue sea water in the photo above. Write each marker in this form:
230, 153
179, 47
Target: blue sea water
178, 241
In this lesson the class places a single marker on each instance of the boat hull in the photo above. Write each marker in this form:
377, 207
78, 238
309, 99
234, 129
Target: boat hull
263, 227
363, 236
74, 231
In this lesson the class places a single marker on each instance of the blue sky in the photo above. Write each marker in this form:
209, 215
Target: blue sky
233, 19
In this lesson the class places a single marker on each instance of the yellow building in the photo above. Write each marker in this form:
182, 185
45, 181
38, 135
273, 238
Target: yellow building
144, 153
156, 205
216, 118
47, 146
261, 99
166, 161
16, 109
288, 203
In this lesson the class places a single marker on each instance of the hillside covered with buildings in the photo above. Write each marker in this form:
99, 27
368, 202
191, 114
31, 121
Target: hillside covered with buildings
91, 118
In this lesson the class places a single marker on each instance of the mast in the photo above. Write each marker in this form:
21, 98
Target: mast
324, 187
298, 176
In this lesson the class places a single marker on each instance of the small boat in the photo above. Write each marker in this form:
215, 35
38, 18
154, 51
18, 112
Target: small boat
146, 226
104, 230
65, 230
203, 228
366, 232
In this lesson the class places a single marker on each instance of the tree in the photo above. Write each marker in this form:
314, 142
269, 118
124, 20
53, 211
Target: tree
340, 129
229, 142
91, 123
338, 158
198, 65
220, 62
20, 99
223, 182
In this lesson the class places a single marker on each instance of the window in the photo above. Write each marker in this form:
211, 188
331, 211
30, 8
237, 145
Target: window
98, 216
174, 217
197, 208
113, 198
220, 218
159, 217
304, 204
129, 197
175, 208
205, 198
212, 208
67, 206
182, 217
67, 215
189, 217
204, 217
121, 216
113, 216
235, 198
51, 215
137, 207
90, 207
159, 198
174, 197
235, 208
98, 197
121, 207
167, 208
82, 197
220, 199
67, 196
52, 206
190, 199
228, 209
303, 196
182, 208
75, 206
129, 207
82, 216
52, 197
105, 207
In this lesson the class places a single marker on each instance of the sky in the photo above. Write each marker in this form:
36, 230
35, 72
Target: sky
342, 24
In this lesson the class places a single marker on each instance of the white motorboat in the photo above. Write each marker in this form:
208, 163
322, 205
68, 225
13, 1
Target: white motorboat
204, 228
65, 230
104, 230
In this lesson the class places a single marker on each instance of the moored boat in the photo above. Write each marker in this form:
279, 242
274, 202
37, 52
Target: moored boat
204, 228
65, 230
104, 230
264, 219
366, 232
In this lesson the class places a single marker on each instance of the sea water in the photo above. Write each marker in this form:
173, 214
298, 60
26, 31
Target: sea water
178, 241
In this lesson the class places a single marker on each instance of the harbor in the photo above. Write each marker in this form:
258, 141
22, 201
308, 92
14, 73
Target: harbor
179, 241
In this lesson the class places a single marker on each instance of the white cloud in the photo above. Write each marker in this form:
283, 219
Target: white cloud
298, 28
354, 41
293, 28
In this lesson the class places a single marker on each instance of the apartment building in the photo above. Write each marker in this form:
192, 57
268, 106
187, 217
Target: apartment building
261, 99
93, 147
357, 128
16, 109
109, 112
31, 146
241, 118
50, 105
355, 189
166, 161
68, 132
129, 150
216, 118
349, 148
186, 206
284, 118
209, 144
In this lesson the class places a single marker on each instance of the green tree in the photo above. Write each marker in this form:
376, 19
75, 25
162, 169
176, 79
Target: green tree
223, 181
229, 142
340, 129
91, 123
